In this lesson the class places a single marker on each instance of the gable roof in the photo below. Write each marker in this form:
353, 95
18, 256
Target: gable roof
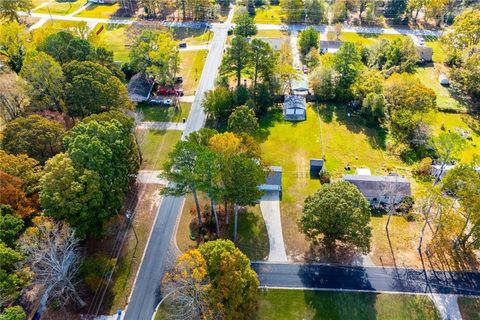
376, 186
294, 102
139, 88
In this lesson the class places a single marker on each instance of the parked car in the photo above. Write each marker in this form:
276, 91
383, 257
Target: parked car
166, 91
442, 78
168, 102
155, 101
179, 92
182, 45
179, 80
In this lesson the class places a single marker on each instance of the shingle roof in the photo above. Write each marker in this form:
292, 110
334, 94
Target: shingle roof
294, 102
139, 88
374, 186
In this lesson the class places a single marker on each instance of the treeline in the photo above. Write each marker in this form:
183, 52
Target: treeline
68, 156
194, 10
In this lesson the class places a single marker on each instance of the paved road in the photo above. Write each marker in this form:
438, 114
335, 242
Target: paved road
146, 295
321, 276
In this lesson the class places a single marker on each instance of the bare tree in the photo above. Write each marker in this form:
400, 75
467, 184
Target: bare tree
13, 98
53, 256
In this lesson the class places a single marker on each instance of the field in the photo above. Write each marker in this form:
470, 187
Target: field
469, 308
101, 11
155, 146
191, 67
61, 7
114, 37
297, 304
164, 114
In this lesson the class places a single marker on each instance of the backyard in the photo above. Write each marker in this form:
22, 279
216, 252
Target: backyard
155, 146
367, 38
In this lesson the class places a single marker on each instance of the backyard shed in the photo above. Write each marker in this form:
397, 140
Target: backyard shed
381, 189
294, 108
316, 166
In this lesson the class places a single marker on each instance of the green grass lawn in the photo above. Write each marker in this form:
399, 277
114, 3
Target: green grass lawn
268, 15
366, 38
429, 77
101, 11
271, 34
191, 66
36, 3
469, 308
58, 25
155, 146
192, 36
114, 38
61, 7
297, 304
164, 114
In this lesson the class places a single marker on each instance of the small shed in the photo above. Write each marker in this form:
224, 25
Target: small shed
274, 180
316, 167
294, 108
425, 53
300, 86
139, 88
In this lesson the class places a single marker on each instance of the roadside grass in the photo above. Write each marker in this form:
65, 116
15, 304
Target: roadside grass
155, 146
271, 34
192, 36
100, 11
469, 308
36, 3
191, 66
367, 38
298, 304
429, 77
61, 7
252, 232
269, 15
115, 39
164, 114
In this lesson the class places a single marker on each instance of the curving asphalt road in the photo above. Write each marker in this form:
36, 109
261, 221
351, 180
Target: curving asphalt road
146, 293
369, 279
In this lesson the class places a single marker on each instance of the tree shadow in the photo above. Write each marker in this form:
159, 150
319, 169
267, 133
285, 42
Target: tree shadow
267, 121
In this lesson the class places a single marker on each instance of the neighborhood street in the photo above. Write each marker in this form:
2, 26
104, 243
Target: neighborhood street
146, 294
375, 279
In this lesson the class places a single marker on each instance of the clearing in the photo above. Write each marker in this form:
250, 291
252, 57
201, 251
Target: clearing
115, 39
155, 146
364, 39
269, 15
191, 66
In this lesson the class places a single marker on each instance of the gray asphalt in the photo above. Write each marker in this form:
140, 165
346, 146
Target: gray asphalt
146, 293
374, 279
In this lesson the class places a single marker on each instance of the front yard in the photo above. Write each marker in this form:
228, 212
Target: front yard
164, 114
155, 146
191, 66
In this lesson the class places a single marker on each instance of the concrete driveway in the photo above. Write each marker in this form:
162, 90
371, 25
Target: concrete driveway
270, 207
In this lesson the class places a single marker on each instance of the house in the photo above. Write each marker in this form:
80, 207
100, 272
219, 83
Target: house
294, 108
274, 180
330, 46
316, 166
139, 88
381, 189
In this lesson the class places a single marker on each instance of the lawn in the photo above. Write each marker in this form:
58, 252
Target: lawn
155, 146
164, 114
192, 36
269, 15
429, 77
61, 7
100, 11
114, 37
366, 38
271, 34
36, 3
469, 308
191, 66
298, 304
252, 233
439, 55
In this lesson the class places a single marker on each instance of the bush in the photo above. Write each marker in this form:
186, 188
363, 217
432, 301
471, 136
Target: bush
405, 208
93, 268
325, 176
13, 313
423, 169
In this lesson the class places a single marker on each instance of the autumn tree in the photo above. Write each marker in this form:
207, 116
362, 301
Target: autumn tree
13, 96
398, 55
308, 39
243, 120
35, 136
92, 88
13, 313
324, 82
337, 212
236, 59
12, 194
9, 9
45, 81
234, 284
13, 44
368, 89
22, 167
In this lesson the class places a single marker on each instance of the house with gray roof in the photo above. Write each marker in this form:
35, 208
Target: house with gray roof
381, 189
294, 108
139, 88
273, 181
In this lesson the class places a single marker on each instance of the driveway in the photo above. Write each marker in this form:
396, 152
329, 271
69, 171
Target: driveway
270, 207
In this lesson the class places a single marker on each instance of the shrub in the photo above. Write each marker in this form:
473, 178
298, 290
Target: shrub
325, 176
423, 169
93, 268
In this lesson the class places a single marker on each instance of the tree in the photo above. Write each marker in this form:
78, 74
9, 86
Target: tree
92, 88
218, 103
308, 39
245, 26
448, 146
395, 9
65, 47
13, 96
243, 120
337, 211
10, 281
464, 33
293, 10
35, 136
263, 61
10, 226
13, 313
315, 11
13, 43
22, 167
312, 59
52, 253
45, 81
12, 194
9, 9
408, 100
374, 107
234, 284
339, 11
414, 7
347, 62
156, 54
324, 81
398, 55
236, 59
187, 288
368, 81
465, 75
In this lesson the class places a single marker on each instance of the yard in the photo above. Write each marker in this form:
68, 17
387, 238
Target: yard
269, 15
366, 38
115, 39
164, 114
61, 7
271, 34
155, 146
192, 36
191, 66
37, 3
100, 11
298, 304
